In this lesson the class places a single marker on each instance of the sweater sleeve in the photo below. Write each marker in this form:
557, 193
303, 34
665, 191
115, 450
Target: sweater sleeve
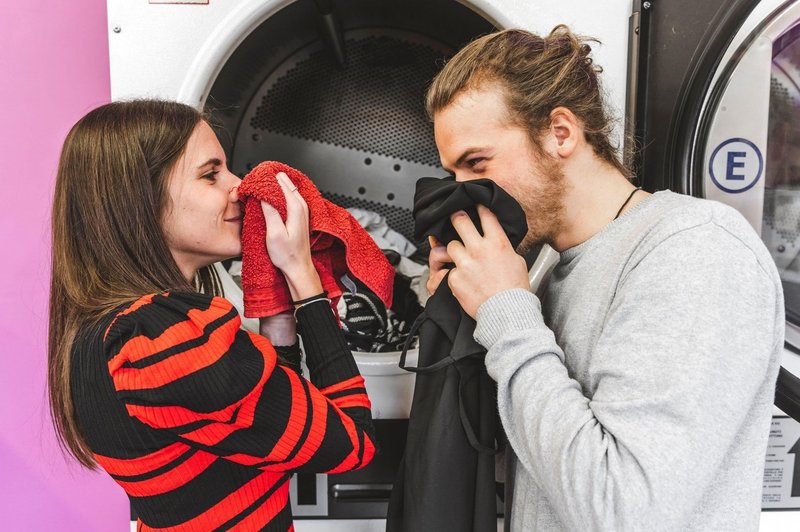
683, 352
180, 363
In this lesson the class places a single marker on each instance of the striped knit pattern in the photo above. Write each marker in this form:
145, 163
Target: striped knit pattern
198, 422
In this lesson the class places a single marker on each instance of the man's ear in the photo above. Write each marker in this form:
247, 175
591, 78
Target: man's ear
565, 132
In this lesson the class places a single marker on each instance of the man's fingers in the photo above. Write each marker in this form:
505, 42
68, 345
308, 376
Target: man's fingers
456, 251
434, 280
438, 257
489, 223
465, 228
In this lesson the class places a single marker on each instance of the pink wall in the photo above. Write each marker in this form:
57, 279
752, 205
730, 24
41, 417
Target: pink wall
54, 68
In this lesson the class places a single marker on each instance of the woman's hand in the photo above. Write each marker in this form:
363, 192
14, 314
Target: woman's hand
288, 243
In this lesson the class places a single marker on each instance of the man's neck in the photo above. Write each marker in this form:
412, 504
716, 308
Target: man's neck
595, 192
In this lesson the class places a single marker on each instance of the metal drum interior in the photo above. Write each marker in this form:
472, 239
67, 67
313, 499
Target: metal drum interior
336, 90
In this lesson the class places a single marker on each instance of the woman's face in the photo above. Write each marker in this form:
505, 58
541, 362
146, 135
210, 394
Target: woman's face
203, 219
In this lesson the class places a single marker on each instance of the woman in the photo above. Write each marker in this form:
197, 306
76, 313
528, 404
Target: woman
150, 375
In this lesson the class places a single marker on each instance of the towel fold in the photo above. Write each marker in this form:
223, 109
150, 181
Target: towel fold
339, 245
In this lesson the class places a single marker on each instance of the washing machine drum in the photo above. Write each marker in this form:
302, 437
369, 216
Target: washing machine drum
360, 130
340, 96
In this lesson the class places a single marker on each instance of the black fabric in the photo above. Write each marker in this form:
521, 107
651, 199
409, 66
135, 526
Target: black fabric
787, 394
436, 199
291, 355
446, 479
405, 302
368, 326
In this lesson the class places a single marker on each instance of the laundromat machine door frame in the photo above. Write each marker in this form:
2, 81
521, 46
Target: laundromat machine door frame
702, 106
714, 144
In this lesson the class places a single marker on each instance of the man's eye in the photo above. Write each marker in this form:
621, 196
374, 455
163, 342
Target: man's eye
473, 162
211, 176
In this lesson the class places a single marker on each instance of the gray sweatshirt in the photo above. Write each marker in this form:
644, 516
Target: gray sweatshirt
641, 399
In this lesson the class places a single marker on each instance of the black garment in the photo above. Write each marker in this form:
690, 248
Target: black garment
436, 199
368, 325
446, 480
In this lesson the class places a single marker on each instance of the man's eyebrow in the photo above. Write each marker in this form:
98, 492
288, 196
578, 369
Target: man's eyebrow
466, 153
213, 161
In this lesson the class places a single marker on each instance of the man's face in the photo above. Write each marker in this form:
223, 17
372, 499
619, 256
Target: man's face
476, 138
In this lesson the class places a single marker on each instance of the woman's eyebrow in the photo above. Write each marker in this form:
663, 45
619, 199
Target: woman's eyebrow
213, 161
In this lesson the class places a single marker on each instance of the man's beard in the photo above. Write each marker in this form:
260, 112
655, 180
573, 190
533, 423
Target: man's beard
542, 198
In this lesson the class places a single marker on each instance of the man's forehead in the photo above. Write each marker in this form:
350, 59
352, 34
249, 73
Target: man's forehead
485, 105
480, 95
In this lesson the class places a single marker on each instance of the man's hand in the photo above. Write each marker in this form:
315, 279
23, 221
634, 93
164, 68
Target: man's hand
438, 262
484, 265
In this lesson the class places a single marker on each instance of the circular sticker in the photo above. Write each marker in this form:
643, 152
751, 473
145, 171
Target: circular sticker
736, 165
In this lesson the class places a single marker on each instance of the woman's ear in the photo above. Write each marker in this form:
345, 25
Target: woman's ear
565, 131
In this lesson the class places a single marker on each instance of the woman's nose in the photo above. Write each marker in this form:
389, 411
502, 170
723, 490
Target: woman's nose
233, 193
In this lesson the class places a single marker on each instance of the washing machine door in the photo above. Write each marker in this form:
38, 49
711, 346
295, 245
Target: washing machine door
744, 150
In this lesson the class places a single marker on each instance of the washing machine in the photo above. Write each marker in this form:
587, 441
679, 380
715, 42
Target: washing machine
716, 108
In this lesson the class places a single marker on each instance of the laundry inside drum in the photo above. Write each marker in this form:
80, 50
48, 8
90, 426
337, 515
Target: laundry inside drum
354, 121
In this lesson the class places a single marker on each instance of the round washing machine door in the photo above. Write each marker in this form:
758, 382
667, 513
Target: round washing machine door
745, 152
337, 90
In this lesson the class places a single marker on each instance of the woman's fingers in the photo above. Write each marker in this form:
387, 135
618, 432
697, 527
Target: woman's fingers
288, 242
296, 207
288, 188
271, 216
276, 230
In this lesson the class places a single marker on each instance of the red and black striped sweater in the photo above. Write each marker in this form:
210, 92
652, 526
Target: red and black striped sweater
200, 424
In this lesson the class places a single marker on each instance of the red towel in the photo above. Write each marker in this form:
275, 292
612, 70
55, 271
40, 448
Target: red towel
339, 244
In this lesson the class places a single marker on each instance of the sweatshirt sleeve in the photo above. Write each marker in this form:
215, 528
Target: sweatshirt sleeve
683, 352
180, 363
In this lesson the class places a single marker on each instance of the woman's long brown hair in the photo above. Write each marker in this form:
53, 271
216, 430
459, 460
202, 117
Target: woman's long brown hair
108, 247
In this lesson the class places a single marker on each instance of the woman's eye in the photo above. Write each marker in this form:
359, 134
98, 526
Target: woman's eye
211, 176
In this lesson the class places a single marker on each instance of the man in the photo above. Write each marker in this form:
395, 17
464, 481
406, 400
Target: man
638, 395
